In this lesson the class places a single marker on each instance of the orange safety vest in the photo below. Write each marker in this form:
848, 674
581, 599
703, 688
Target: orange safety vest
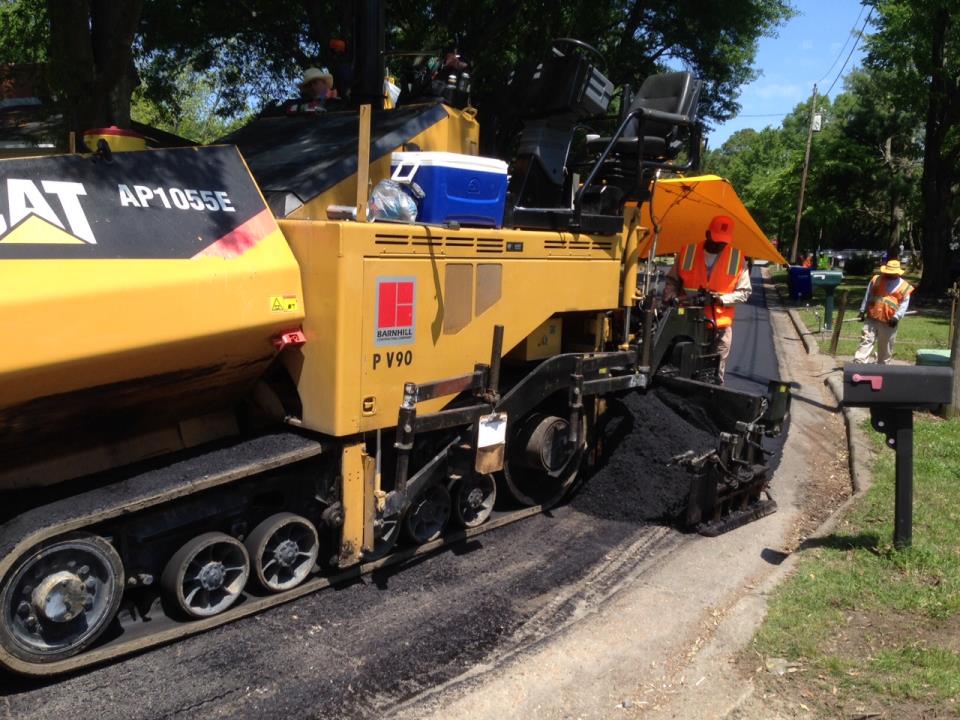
883, 307
722, 280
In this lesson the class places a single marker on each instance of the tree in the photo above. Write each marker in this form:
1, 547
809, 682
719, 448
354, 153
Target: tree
256, 48
761, 165
861, 169
891, 136
260, 46
192, 111
636, 37
917, 44
24, 32
91, 59
100, 49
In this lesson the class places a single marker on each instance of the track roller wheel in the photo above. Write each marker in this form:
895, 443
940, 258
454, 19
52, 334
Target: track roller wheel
60, 597
473, 499
283, 550
206, 575
428, 515
387, 533
541, 463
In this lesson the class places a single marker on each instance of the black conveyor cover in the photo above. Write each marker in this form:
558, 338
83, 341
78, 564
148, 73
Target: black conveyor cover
307, 155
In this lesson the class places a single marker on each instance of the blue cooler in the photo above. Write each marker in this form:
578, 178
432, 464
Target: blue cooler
466, 189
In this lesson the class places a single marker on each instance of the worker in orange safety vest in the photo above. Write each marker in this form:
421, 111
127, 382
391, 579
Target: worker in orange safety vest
716, 267
882, 309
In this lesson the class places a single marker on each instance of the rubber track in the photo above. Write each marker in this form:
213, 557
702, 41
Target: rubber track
177, 480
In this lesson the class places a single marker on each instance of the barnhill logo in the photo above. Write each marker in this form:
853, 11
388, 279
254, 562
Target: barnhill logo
396, 310
48, 214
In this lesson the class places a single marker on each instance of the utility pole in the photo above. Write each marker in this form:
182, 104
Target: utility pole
803, 179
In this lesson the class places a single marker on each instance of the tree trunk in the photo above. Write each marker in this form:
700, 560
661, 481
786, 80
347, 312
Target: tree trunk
91, 60
896, 221
896, 200
935, 186
914, 252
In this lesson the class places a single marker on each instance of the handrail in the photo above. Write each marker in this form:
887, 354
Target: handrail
643, 114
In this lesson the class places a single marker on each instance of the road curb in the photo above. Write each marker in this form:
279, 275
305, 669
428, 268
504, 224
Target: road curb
858, 449
856, 444
859, 477
804, 332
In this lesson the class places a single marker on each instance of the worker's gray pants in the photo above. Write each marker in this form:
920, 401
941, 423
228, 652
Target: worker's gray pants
875, 336
724, 339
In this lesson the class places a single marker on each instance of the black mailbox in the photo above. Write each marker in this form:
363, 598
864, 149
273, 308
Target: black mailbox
902, 386
893, 392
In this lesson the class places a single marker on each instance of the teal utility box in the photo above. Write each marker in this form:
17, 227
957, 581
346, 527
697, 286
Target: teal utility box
828, 280
931, 356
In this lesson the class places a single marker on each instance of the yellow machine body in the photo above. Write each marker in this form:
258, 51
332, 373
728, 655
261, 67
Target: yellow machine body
463, 283
102, 349
241, 385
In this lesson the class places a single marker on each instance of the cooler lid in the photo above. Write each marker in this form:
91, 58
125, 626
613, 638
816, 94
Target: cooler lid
450, 160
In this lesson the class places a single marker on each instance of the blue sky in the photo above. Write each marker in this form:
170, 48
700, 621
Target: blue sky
800, 55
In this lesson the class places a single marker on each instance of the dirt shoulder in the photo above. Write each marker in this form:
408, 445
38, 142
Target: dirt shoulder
663, 642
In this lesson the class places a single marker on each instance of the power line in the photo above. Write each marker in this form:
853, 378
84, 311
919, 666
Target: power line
840, 54
858, 36
833, 65
855, 43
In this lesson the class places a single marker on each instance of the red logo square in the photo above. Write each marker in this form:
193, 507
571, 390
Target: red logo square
396, 302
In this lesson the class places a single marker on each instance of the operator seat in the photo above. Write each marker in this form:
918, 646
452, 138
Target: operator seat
677, 93
664, 124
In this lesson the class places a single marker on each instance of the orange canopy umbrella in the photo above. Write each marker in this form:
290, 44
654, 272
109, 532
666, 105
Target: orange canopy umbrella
684, 207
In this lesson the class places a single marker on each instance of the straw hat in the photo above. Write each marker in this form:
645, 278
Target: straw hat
892, 267
311, 74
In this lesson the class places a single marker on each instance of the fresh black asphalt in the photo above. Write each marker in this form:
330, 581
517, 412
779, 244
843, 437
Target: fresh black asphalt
359, 650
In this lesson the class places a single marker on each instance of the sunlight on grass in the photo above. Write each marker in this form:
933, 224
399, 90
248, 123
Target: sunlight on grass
872, 621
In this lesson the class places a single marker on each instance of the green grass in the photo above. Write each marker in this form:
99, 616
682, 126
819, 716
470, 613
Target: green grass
877, 624
927, 329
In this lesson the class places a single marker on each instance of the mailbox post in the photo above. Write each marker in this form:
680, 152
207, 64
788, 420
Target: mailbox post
893, 392
828, 280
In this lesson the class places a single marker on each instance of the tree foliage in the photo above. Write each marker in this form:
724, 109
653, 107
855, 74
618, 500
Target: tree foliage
24, 32
861, 166
191, 110
636, 38
884, 171
258, 47
917, 46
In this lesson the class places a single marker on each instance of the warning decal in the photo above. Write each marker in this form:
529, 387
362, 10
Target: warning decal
284, 303
396, 310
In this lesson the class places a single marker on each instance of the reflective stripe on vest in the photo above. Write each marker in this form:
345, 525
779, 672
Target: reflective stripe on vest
722, 280
732, 267
883, 308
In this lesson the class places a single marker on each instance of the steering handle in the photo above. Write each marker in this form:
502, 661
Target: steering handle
582, 45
